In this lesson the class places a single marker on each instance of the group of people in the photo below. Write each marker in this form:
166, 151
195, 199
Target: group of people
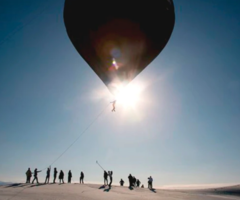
105, 176
60, 177
29, 175
133, 182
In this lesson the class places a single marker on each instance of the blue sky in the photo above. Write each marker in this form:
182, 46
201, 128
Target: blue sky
183, 130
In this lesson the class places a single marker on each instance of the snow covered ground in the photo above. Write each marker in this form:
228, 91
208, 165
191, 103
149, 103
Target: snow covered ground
94, 191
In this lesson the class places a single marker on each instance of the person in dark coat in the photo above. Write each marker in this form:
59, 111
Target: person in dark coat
61, 177
111, 178
28, 175
81, 177
35, 176
133, 181
69, 176
130, 178
55, 174
121, 182
47, 175
138, 183
105, 176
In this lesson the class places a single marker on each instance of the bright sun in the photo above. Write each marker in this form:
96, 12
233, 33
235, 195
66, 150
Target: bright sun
129, 96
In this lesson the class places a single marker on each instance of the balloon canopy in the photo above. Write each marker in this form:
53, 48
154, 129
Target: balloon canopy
119, 39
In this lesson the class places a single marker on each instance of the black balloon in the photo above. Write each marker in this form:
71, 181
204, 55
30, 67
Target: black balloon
119, 39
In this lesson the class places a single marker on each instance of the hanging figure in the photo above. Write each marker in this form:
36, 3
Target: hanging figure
113, 103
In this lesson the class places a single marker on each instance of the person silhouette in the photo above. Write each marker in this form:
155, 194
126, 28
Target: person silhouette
69, 176
81, 177
113, 103
121, 182
138, 183
105, 176
29, 175
36, 175
47, 175
150, 180
130, 178
110, 175
55, 174
61, 177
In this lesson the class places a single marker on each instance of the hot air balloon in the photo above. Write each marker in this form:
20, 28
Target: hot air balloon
119, 39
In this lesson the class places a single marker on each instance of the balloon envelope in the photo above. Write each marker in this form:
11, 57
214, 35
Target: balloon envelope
119, 39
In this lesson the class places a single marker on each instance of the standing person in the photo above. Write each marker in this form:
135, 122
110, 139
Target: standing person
61, 177
35, 175
81, 177
47, 175
29, 175
55, 174
69, 176
133, 181
150, 180
138, 183
110, 175
105, 176
121, 182
130, 178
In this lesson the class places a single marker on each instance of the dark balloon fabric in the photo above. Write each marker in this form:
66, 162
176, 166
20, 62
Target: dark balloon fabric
119, 39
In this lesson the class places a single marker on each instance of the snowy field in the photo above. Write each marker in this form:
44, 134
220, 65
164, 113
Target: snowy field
93, 191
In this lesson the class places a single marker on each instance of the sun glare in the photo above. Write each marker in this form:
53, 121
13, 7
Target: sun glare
129, 96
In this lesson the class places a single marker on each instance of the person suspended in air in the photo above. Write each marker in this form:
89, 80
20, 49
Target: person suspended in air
113, 103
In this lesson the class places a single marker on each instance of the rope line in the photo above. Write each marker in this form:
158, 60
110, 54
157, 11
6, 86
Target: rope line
78, 136
67, 148
11, 34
